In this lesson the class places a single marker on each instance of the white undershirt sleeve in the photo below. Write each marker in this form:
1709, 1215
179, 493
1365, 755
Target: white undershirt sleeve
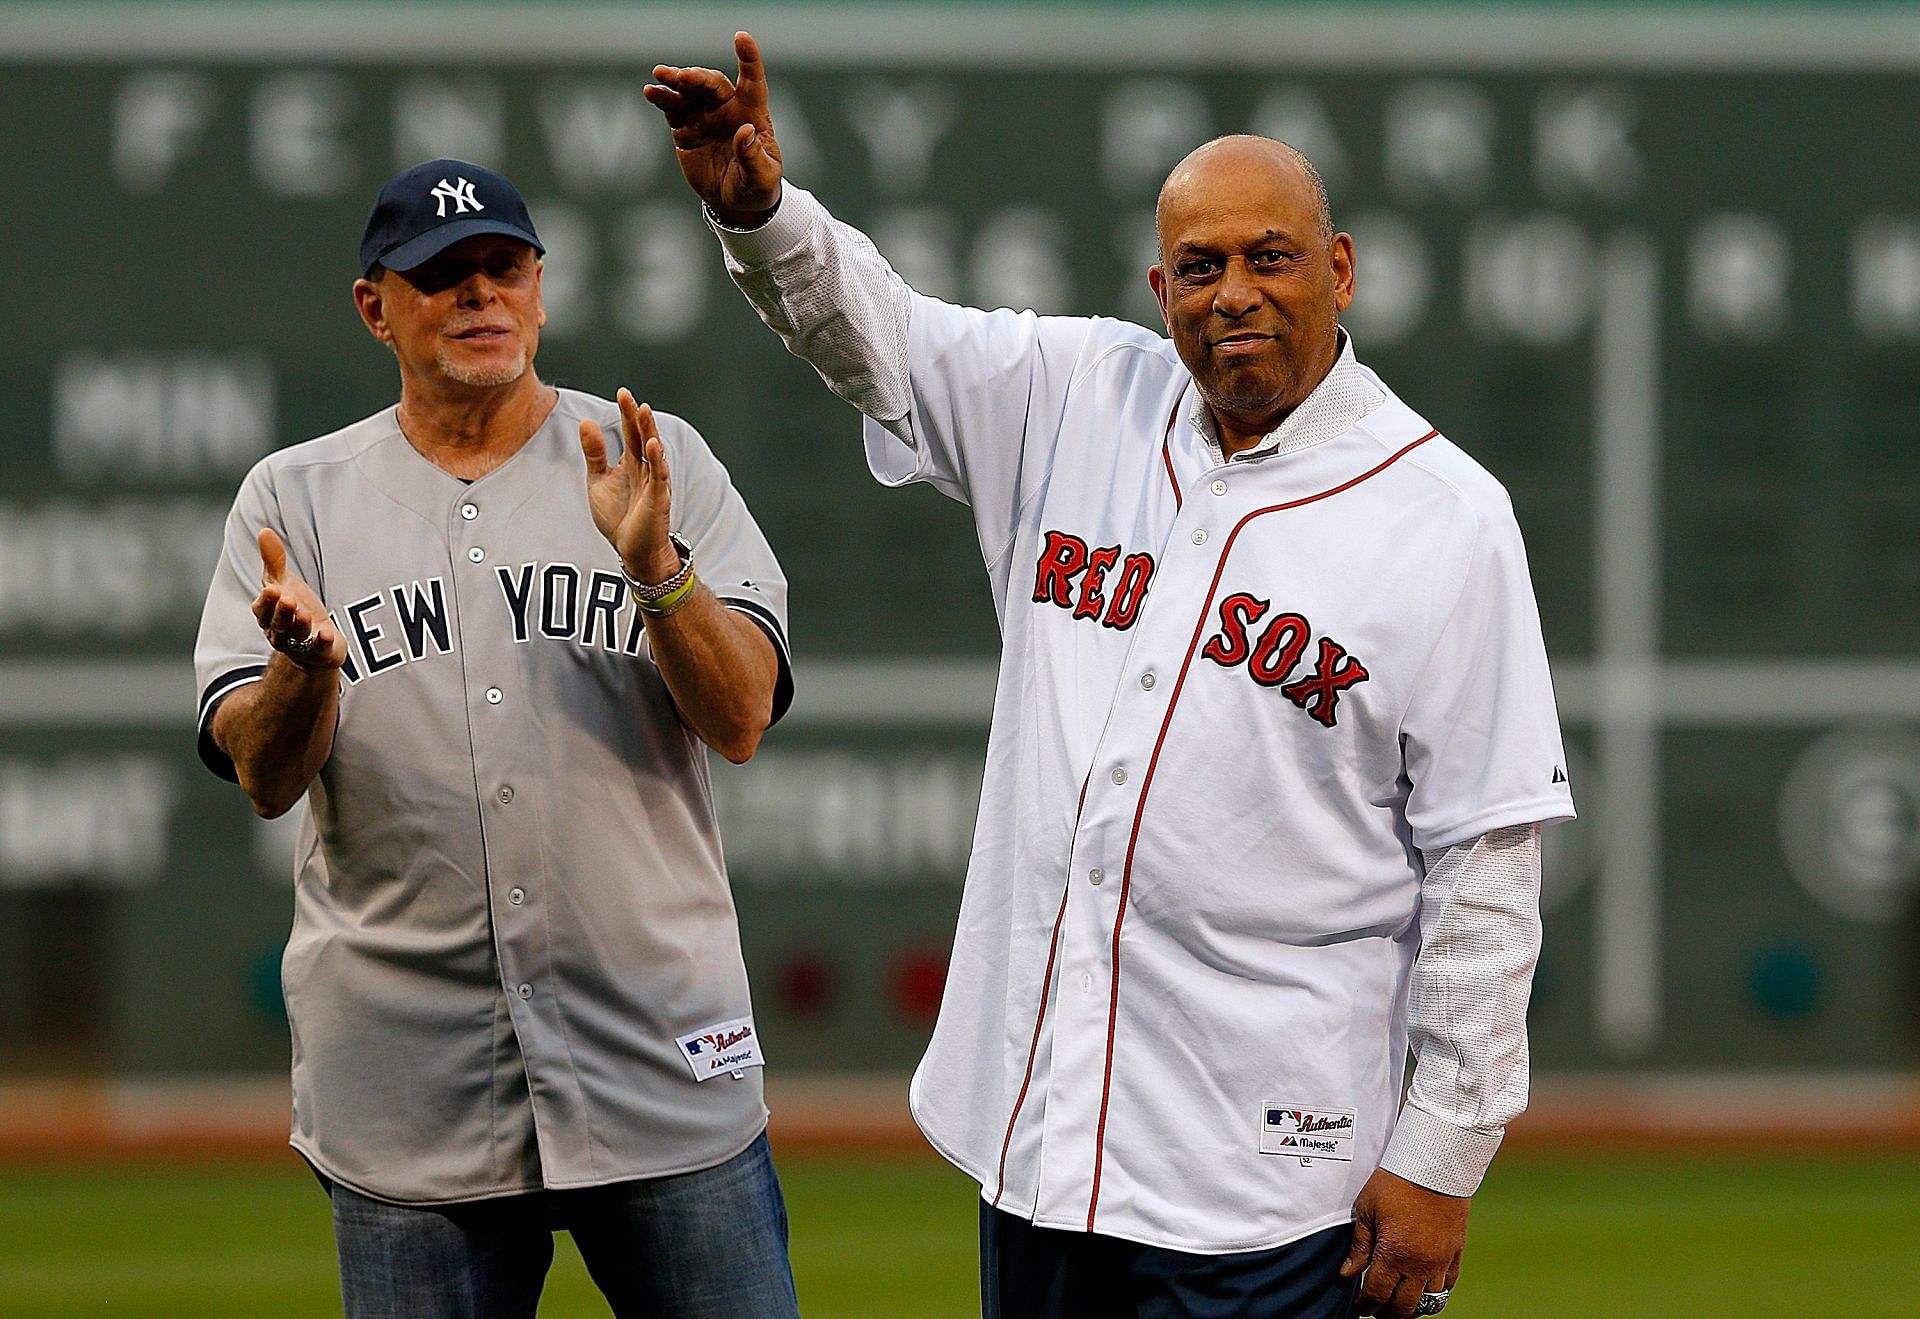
827, 292
1467, 1014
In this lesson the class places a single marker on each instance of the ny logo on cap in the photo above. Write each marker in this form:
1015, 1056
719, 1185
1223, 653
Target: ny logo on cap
460, 193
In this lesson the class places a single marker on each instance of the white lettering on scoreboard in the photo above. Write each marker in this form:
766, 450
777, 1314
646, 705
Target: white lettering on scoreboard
647, 272
99, 822
113, 569
169, 415
843, 817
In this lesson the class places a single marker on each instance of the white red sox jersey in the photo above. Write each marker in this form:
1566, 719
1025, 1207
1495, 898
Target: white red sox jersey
1237, 702
514, 960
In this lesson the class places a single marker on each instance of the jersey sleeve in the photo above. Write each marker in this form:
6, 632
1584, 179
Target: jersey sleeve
987, 393
730, 553
231, 651
965, 400
1481, 735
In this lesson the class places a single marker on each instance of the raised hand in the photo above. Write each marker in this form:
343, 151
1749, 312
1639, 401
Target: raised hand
291, 614
723, 134
632, 500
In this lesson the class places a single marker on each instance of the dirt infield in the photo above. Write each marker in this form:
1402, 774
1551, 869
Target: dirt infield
71, 1118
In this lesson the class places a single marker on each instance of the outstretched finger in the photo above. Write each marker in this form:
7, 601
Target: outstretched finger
273, 557
636, 422
753, 73
593, 443
655, 453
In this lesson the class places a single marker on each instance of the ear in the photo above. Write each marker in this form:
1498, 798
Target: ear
1157, 281
370, 301
1343, 271
539, 292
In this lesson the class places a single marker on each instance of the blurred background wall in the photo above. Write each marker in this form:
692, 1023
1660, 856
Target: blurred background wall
1658, 268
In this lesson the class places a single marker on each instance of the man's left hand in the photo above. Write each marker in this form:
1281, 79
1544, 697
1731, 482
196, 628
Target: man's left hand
632, 499
1408, 1240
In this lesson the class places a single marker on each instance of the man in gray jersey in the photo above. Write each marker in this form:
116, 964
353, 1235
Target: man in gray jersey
514, 977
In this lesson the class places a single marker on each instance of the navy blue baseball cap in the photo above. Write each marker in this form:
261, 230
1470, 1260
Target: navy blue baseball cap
425, 210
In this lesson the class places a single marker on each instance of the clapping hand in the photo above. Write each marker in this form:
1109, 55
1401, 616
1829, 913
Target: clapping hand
632, 499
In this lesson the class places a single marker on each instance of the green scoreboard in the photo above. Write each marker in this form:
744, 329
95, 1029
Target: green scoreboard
1661, 274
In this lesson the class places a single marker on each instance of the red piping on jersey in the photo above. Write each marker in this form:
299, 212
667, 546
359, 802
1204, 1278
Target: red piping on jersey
1166, 453
1140, 810
1046, 985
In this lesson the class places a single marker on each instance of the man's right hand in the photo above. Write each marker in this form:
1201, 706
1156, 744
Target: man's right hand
291, 614
723, 135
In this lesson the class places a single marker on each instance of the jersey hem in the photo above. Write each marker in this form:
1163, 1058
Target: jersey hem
1077, 1224
319, 1165
1192, 1247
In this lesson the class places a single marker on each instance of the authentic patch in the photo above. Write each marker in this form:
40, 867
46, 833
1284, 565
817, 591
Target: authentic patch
1311, 1133
725, 1048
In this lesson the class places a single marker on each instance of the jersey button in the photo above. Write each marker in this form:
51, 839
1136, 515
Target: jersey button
1219, 488
1199, 538
526, 991
506, 796
1119, 775
493, 696
1096, 877
1086, 982
516, 896
476, 554
1146, 682
469, 511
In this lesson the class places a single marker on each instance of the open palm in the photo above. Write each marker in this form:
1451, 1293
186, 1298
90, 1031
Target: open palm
632, 499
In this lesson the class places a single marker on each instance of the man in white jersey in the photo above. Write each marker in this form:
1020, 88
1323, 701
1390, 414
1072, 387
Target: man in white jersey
1272, 743
492, 674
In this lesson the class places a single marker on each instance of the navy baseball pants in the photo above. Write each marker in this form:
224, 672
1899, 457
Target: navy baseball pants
1029, 1272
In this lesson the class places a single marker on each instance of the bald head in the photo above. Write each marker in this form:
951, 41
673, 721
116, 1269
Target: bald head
1233, 162
1252, 280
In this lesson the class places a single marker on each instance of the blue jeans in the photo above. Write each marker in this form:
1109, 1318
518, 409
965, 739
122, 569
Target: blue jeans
1029, 1272
702, 1245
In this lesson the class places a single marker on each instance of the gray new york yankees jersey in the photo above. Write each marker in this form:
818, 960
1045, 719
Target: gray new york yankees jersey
514, 950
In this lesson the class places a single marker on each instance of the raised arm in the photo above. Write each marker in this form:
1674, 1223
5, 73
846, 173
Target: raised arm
721, 668
817, 283
279, 731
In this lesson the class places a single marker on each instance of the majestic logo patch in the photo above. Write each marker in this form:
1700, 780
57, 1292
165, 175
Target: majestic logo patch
1116, 603
729, 1046
1309, 1133
459, 192
1272, 657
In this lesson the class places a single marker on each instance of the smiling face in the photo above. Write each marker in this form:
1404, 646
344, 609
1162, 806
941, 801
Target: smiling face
1251, 281
469, 317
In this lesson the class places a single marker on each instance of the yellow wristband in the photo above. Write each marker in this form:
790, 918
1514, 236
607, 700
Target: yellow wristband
670, 602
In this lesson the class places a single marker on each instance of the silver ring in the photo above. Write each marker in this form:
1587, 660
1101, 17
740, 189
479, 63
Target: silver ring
1432, 1302
303, 644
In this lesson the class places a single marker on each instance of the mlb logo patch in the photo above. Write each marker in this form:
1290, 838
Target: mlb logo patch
1310, 1133
726, 1047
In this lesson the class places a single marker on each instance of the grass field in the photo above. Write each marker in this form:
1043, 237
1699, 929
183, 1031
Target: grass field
1552, 1236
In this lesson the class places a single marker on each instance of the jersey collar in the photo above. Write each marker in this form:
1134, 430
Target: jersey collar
1335, 405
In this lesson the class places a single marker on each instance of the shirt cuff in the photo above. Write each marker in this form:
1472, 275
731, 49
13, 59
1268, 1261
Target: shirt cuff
784, 232
1432, 1152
